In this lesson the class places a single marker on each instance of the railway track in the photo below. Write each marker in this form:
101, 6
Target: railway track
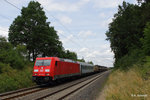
67, 91
20, 92
57, 92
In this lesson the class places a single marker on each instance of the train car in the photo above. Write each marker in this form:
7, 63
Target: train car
99, 68
86, 68
48, 69
96, 68
103, 68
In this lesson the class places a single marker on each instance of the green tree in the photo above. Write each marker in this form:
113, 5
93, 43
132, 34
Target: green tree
90, 62
70, 55
146, 40
129, 32
32, 30
81, 60
125, 31
140, 1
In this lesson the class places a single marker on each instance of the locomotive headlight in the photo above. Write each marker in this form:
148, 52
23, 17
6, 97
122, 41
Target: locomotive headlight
35, 70
47, 70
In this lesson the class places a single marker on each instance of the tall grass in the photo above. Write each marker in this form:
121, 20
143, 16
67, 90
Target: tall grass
12, 79
128, 85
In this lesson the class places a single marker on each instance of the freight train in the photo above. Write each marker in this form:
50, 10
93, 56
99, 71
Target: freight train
50, 69
99, 68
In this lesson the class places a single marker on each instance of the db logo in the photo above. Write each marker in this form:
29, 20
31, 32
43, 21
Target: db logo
41, 70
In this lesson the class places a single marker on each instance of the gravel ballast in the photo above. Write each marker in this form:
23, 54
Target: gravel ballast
91, 91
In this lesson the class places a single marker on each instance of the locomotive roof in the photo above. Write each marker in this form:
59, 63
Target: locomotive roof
66, 60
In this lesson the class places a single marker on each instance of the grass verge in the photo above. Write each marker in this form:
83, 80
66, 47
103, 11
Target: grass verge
128, 85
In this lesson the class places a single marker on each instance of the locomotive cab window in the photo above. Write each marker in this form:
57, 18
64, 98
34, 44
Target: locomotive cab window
43, 62
38, 62
47, 62
56, 63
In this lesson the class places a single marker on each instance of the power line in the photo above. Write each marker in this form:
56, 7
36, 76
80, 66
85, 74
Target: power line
64, 27
67, 37
12, 4
5, 17
54, 18
51, 15
18, 9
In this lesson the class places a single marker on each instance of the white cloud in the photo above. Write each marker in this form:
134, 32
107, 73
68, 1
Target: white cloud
59, 32
52, 5
102, 15
107, 3
83, 49
101, 56
106, 14
110, 3
4, 31
85, 34
65, 19
105, 23
67, 39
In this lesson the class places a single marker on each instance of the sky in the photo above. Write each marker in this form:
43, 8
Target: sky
80, 24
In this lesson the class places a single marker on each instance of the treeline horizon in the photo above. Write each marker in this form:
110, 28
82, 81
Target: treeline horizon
129, 34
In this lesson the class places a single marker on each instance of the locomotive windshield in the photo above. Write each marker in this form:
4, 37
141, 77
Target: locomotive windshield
42, 62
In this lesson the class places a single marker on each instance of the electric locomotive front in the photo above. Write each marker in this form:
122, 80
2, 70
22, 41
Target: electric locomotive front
43, 70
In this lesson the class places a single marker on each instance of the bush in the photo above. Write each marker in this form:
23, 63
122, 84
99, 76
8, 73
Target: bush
2, 65
134, 57
10, 55
146, 40
12, 79
15, 70
144, 69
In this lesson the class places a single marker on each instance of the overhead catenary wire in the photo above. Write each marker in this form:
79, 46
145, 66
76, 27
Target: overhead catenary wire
12, 4
52, 15
7, 31
60, 24
20, 9
65, 28
5, 17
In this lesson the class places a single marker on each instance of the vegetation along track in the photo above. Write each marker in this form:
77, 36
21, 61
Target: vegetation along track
67, 91
20, 92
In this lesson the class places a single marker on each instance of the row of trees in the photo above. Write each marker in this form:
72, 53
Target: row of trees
32, 30
130, 30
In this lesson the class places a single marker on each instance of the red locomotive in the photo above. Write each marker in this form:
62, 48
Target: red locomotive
48, 69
